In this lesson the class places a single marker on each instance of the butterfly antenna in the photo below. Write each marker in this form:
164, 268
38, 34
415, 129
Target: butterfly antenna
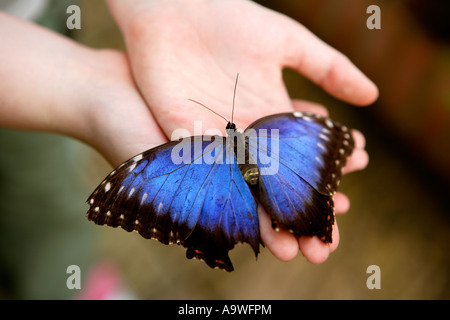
234, 97
209, 109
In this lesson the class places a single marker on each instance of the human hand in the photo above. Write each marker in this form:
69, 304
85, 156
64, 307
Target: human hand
72, 90
193, 49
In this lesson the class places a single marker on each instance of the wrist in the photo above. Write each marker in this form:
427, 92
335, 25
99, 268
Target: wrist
103, 77
126, 12
113, 117
135, 16
39, 86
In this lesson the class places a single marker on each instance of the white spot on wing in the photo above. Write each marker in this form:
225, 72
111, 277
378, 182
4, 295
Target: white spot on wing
321, 146
131, 168
323, 137
107, 187
144, 197
298, 114
137, 158
160, 205
131, 191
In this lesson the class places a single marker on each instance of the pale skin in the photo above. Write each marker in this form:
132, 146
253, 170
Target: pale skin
176, 50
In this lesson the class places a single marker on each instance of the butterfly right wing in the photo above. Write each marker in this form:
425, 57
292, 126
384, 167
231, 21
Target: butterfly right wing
305, 153
203, 205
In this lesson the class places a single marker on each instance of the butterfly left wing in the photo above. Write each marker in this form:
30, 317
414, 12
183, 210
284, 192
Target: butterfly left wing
203, 205
300, 165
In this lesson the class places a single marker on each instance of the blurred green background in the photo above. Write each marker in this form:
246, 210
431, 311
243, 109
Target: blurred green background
399, 217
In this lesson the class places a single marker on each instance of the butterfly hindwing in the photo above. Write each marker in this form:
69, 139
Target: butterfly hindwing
185, 192
308, 153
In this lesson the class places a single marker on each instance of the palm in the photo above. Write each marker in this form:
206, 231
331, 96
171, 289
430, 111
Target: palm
200, 60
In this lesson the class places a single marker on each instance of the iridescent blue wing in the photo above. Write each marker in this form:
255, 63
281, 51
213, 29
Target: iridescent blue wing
300, 157
185, 192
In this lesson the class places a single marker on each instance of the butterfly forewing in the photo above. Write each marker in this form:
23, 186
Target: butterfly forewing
184, 192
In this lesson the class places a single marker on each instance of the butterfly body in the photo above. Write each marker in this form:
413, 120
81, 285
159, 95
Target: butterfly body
200, 192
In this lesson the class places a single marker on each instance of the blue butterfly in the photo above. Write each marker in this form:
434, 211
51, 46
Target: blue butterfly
199, 192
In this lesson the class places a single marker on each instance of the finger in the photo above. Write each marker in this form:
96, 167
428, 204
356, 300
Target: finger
325, 66
358, 160
282, 244
341, 203
313, 249
335, 236
309, 106
358, 137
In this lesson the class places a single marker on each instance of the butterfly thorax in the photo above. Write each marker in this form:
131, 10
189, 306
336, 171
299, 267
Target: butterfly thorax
247, 165
230, 126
